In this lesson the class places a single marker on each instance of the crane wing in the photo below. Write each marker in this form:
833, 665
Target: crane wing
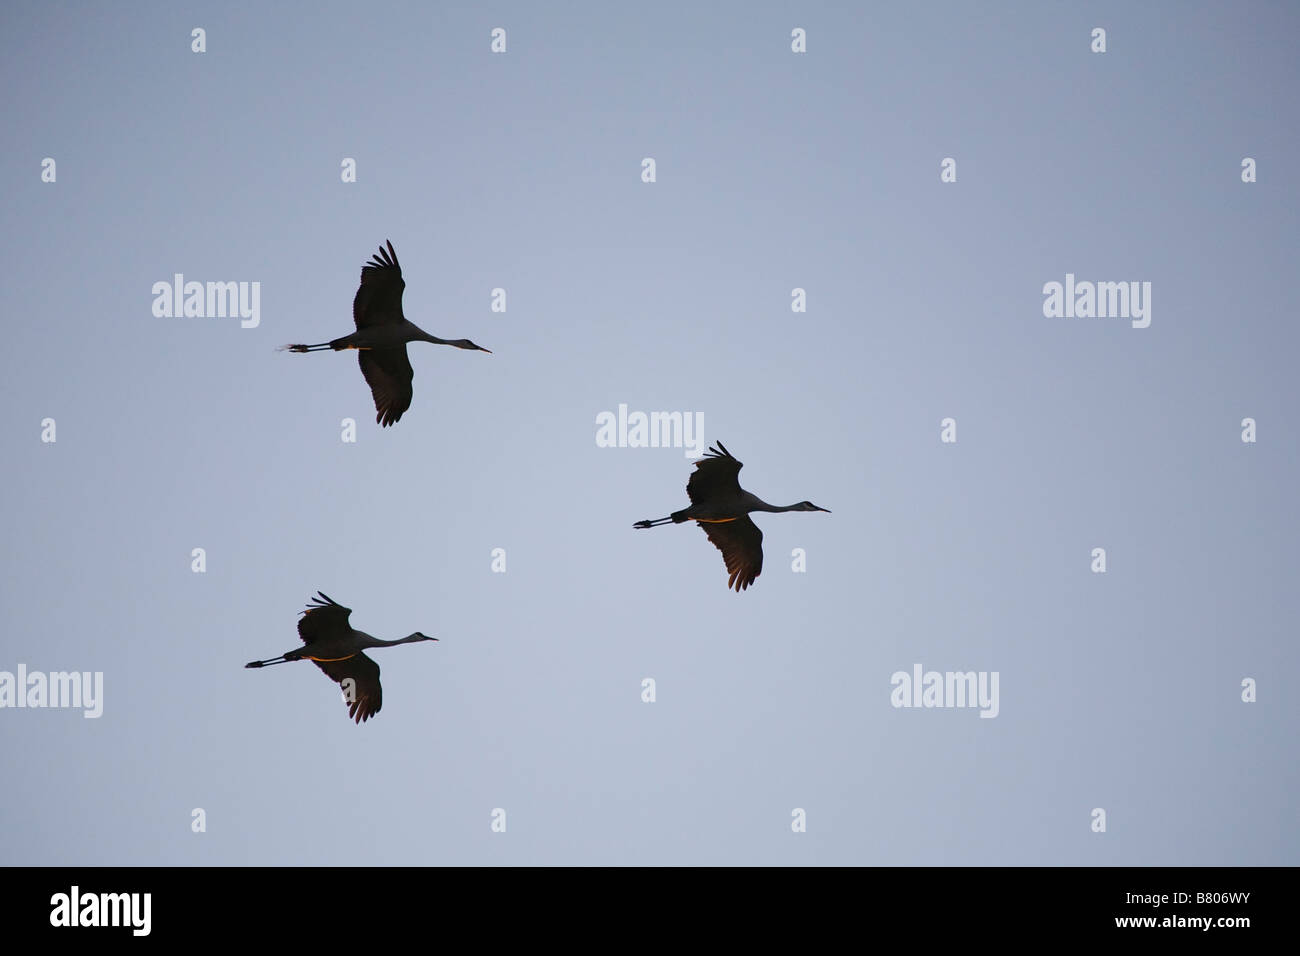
741, 544
364, 690
379, 297
389, 374
323, 619
715, 475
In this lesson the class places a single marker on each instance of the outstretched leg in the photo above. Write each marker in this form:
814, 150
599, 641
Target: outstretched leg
305, 348
274, 660
652, 524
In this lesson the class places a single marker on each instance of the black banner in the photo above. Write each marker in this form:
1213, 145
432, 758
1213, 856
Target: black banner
1150, 905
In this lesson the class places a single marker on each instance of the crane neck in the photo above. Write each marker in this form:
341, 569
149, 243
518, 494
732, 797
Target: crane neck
376, 642
758, 504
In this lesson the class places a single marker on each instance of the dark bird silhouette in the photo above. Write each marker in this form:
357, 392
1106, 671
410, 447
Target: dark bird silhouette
381, 336
336, 647
722, 509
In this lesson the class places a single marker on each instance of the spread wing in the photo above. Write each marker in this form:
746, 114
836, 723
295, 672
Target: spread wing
741, 544
379, 297
389, 374
359, 677
715, 475
323, 619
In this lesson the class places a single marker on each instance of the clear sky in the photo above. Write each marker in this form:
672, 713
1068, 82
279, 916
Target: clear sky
774, 171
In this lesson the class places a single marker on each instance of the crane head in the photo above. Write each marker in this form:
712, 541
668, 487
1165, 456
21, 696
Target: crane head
467, 344
809, 506
423, 637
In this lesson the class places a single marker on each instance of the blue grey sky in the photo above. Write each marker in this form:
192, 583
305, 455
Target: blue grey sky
775, 170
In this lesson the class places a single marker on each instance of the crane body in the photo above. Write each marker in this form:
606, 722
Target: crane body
382, 335
722, 509
336, 648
